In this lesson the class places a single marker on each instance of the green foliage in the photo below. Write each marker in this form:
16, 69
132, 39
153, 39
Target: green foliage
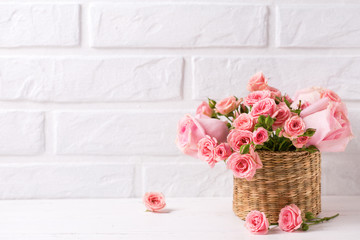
309, 132
244, 149
212, 103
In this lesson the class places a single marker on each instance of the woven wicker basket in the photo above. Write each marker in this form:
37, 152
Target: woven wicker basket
286, 177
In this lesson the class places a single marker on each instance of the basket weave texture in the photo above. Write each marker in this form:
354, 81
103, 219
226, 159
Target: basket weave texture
285, 178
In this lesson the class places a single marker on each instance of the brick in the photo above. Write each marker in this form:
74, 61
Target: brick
188, 179
66, 180
91, 79
318, 26
21, 133
177, 25
116, 133
25, 25
219, 77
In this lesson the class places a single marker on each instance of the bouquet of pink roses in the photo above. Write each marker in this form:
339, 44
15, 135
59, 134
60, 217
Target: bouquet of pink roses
234, 129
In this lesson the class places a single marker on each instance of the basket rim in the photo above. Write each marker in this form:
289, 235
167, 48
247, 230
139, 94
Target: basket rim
287, 152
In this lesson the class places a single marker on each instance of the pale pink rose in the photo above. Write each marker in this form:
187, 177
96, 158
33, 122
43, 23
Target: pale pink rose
260, 136
192, 129
204, 109
244, 122
222, 151
309, 95
274, 92
294, 127
227, 105
264, 107
331, 95
257, 223
237, 138
333, 129
300, 141
290, 218
256, 96
281, 114
242, 165
206, 150
154, 201
257, 82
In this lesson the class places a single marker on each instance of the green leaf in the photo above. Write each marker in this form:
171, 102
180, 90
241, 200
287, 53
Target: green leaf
304, 227
309, 132
261, 119
297, 111
244, 149
212, 103
311, 149
228, 125
257, 126
277, 132
287, 102
269, 122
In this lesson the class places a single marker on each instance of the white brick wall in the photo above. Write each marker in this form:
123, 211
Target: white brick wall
91, 91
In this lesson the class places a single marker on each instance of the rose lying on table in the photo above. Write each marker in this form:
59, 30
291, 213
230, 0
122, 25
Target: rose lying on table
289, 220
154, 201
234, 129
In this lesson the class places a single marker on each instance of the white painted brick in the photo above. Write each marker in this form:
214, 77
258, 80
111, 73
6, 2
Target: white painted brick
21, 133
354, 117
340, 174
39, 25
219, 77
91, 79
318, 26
117, 133
188, 179
66, 180
178, 25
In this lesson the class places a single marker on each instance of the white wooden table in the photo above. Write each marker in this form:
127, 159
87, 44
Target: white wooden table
188, 218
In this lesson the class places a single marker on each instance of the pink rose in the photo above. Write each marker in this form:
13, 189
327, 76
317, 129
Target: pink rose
204, 109
300, 141
257, 82
192, 129
281, 114
242, 165
290, 218
244, 122
206, 150
227, 105
274, 92
237, 138
333, 129
257, 223
256, 96
331, 95
264, 107
154, 201
222, 151
309, 95
260, 136
294, 127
